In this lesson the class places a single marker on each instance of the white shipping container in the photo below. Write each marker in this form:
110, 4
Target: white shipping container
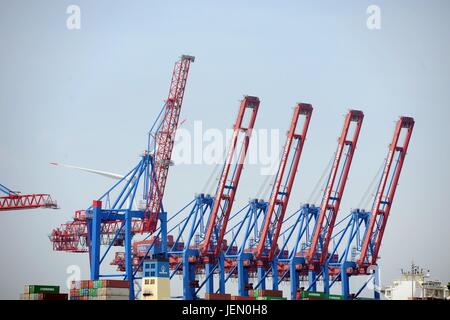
26, 289
113, 292
112, 297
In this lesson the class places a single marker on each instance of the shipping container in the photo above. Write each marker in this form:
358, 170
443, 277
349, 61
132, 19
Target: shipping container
84, 284
53, 296
271, 298
112, 297
113, 292
242, 298
115, 284
41, 289
320, 295
266, 293
335, 297
217, 296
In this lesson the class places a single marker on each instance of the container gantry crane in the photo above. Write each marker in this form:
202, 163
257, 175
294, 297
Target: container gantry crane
14, 200
183, 249
211, 249
264, 219
205, 255
314, 225
363, 232
111, 219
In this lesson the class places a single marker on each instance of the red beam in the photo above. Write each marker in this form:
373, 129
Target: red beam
384, 198
226, 190
26, 201
335, 188
279, 201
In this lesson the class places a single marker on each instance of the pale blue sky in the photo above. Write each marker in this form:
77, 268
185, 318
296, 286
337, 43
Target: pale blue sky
88, 97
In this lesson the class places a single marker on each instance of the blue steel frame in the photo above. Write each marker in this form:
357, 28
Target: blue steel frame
350, 237
6, 190
248, 226
303, 228
121, 211
193, 225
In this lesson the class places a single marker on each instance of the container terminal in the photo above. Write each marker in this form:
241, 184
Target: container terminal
213, 245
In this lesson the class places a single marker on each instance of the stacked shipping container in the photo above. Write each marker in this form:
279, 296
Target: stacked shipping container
267, 294
42, 292
100, 290
305, 295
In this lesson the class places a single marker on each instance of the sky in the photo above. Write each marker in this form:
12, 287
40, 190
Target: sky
88, 97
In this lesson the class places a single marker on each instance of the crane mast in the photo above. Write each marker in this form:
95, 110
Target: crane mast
385, 196
227, 187
280, 194
335, 188
164, 141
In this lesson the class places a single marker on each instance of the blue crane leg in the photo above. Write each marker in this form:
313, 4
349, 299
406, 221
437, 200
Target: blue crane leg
312, 283
95, 243
128, 249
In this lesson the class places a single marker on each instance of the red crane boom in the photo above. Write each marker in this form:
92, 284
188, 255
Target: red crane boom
335, 189
224, 198
165, 137
26, 201
13, 200
279, 198
385, 196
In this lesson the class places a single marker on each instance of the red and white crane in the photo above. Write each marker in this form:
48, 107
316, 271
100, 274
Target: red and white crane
165, 137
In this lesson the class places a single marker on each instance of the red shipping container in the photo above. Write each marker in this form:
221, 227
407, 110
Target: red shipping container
84, 284
242, 298
269, 293
53, 296
217, 296
115, 284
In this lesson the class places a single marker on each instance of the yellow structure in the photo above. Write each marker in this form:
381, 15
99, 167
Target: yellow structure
155, 288
156, 281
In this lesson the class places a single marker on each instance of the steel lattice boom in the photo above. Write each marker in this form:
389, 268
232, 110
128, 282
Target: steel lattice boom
335, 189
385, 196
165, 137
16, 201
226, 190
280, 194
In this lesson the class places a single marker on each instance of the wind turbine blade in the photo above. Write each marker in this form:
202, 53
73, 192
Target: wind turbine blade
99, 172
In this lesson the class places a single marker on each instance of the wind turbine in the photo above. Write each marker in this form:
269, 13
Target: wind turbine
111, 175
